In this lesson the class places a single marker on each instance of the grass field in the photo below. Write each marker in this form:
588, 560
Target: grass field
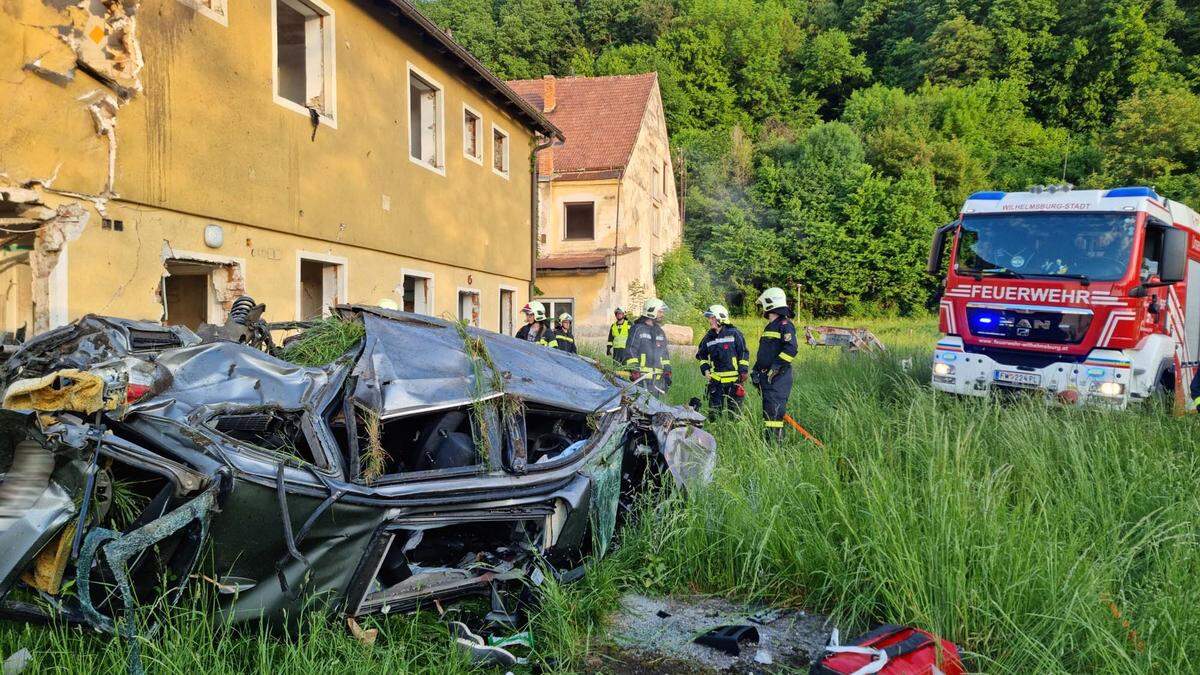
1040, 539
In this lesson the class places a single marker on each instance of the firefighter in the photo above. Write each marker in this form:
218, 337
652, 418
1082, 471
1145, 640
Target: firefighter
564, 336
646, 355
537, 327
724, 361
618, 336
772, 372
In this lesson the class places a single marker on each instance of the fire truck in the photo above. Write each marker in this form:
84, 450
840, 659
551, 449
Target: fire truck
1081, 295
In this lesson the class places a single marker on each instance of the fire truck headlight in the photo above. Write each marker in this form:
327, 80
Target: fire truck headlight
943, 369
1110, 389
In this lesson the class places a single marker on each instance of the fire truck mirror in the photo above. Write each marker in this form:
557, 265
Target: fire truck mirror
1175, 256
939, 245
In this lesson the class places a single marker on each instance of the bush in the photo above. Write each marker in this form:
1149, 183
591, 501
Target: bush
686, 286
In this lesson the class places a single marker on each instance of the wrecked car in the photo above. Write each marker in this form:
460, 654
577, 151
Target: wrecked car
426, 461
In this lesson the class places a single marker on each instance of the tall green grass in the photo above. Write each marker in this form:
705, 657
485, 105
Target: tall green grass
1030, 535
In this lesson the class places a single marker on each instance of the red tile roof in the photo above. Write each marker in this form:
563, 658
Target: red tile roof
573, 261
600, 116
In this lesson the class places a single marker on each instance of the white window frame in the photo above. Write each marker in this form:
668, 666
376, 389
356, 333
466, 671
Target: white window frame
440, 113
219, 11
343, 277
513, 311
419, 274
507, 151
328, 116
549, 303
478, 303
479, 140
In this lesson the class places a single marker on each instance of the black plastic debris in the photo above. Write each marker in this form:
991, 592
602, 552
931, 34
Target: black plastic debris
728, 639
663, 614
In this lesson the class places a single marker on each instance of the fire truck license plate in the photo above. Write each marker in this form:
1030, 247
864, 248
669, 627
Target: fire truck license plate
1017, 379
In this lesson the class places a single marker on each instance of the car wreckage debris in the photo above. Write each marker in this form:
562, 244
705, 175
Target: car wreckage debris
133, 453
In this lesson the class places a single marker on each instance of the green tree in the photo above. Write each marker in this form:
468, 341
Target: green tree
538, 37
959, 51
1155, 140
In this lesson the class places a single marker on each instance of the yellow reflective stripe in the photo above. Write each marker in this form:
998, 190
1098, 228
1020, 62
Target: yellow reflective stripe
631, 361
773, 424
564, 337
666, 362
771, 334
725, 379
787, 358
726, 373
744, 362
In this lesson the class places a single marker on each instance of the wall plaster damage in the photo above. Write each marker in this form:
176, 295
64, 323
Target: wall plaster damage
99, 38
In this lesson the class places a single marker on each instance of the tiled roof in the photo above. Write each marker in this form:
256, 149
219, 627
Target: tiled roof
573, 261
600, 116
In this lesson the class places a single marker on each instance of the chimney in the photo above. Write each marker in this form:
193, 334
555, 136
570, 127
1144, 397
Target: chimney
549, 94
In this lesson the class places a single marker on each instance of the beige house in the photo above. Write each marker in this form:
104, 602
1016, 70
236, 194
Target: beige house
159, 158
608, 207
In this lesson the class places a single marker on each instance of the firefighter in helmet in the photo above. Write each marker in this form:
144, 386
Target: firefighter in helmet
772, 372
564, 335
724, 361
618, 336
537, 326
646, 355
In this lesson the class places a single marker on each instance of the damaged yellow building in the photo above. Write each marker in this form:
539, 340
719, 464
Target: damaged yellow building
158, 158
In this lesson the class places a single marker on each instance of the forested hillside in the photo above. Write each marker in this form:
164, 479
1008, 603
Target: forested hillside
824, 141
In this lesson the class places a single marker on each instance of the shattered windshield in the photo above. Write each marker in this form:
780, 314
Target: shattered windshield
1092, 246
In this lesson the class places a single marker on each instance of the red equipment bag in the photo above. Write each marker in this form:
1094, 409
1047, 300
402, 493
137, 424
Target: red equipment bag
891, 650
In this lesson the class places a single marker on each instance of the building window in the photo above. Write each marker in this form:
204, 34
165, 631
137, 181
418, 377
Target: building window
417, 291
580, 220
304, 57
426, 142
468, 307
506, 310
321, 285
558, 306
472, 135
500, 151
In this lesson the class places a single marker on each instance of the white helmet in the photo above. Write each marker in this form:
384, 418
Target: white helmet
535, 308
621, 309
718, 312
652, 307
772, 299
565, 317
388, 303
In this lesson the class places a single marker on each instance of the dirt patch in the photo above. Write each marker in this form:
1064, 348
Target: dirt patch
655, 635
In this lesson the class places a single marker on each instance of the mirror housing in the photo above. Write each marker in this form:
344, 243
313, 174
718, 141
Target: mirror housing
1175, 256
938, 247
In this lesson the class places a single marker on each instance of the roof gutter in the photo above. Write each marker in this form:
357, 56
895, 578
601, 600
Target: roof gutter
534, 217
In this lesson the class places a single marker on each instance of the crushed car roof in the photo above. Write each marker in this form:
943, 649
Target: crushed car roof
421, 363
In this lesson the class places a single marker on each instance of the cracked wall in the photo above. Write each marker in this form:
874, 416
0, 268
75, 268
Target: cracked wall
161, 116
57, 41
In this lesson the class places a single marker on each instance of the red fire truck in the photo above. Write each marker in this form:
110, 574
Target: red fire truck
1085, 295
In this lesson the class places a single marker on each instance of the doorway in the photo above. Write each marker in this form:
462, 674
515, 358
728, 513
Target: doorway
506, 311
320, 286
187, 293
468, 307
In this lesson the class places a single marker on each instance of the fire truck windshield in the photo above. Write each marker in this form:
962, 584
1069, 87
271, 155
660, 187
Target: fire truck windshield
1087, 246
